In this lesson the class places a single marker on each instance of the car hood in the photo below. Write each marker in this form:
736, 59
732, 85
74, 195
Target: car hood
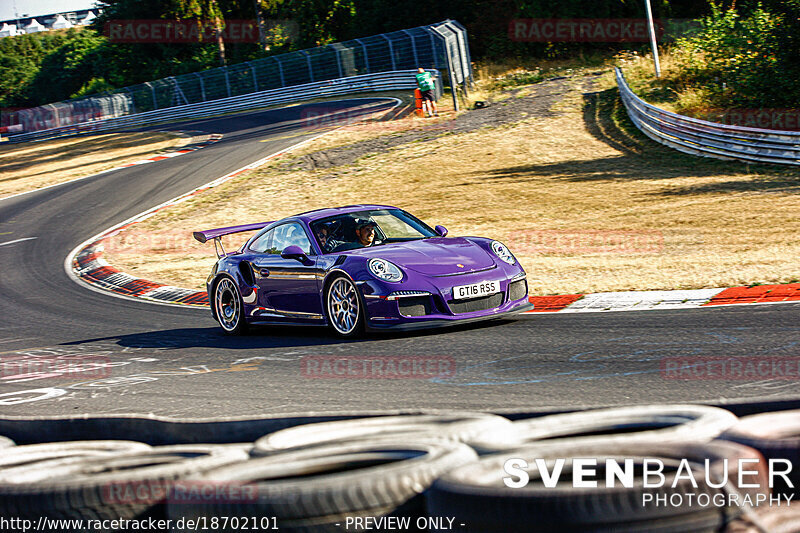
436, 256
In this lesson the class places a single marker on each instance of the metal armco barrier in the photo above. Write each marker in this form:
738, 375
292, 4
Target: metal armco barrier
709, 139
384, 81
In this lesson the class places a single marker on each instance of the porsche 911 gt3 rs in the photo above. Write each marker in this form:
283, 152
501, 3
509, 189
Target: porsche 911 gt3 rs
359, 267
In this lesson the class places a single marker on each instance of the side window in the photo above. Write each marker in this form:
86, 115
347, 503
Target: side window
291, 234
262, 242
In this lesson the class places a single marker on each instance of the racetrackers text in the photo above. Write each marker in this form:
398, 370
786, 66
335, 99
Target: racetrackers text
584, 475
384, 367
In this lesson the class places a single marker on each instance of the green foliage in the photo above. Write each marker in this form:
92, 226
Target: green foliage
65, 70
319, 22
94, 86
20, 59
44, 67
740, 59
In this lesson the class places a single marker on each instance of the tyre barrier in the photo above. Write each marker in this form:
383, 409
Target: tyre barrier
126, 485
784, 519
777, 436
33, 461
459, 427
316, 488
665, 423
315, 477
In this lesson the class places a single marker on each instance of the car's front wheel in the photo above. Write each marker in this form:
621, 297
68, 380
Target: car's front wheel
345, 312
228, 307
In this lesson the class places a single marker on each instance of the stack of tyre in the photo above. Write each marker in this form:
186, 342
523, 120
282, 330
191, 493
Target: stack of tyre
438, 472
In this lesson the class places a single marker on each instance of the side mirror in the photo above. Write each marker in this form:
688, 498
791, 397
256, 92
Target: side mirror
294, 252
441, 230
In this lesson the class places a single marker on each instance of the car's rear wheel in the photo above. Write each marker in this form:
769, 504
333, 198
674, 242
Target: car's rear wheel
228, 307
345, 312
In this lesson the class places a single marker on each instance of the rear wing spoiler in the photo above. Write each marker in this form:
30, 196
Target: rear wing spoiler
217, 234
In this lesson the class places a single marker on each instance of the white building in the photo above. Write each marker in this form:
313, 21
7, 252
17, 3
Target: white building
34, 27
61, 23
55, 21
8, 30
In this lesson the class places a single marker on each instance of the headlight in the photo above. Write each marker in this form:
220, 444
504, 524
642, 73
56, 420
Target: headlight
383, 269
502, 252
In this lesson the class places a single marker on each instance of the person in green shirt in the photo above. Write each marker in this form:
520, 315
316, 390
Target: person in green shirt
426, 85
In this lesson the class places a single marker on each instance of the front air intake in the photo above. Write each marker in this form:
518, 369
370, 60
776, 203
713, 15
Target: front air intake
517, 290
415, 306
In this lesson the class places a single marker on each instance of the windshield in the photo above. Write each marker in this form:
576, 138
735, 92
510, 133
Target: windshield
372, 227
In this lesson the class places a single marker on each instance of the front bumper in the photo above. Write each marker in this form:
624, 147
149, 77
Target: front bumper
426, 322
432, 304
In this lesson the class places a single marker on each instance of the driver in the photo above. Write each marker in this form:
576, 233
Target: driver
365, 232
323, 233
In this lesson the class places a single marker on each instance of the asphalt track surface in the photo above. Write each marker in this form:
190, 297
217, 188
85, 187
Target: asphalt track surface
176, 362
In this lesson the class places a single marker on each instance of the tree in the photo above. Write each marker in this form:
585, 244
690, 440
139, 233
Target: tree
320, 22
203, 10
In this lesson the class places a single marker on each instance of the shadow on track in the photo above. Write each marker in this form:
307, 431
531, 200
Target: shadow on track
268, 337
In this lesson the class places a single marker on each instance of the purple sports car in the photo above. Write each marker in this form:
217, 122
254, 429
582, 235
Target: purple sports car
372, 267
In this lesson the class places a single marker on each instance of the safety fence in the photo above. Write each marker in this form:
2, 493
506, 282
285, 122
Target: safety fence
441, 46
385, 81
709, 139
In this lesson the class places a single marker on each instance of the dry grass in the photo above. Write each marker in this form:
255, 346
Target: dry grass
30, 166
492, 77
585, 173
665, 92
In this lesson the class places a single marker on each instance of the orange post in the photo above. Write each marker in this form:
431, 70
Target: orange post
418, 101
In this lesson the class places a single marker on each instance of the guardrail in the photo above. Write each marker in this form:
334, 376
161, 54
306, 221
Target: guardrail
383, 81
709, 139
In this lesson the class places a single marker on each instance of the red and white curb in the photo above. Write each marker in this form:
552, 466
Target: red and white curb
211, 139
662, 300
85, 264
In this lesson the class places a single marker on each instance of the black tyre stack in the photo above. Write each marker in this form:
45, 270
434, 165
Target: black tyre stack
324, 476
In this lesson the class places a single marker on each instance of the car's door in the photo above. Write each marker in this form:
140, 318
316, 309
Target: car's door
288, 286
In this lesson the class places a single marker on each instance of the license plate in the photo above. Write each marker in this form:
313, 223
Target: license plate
476, 290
